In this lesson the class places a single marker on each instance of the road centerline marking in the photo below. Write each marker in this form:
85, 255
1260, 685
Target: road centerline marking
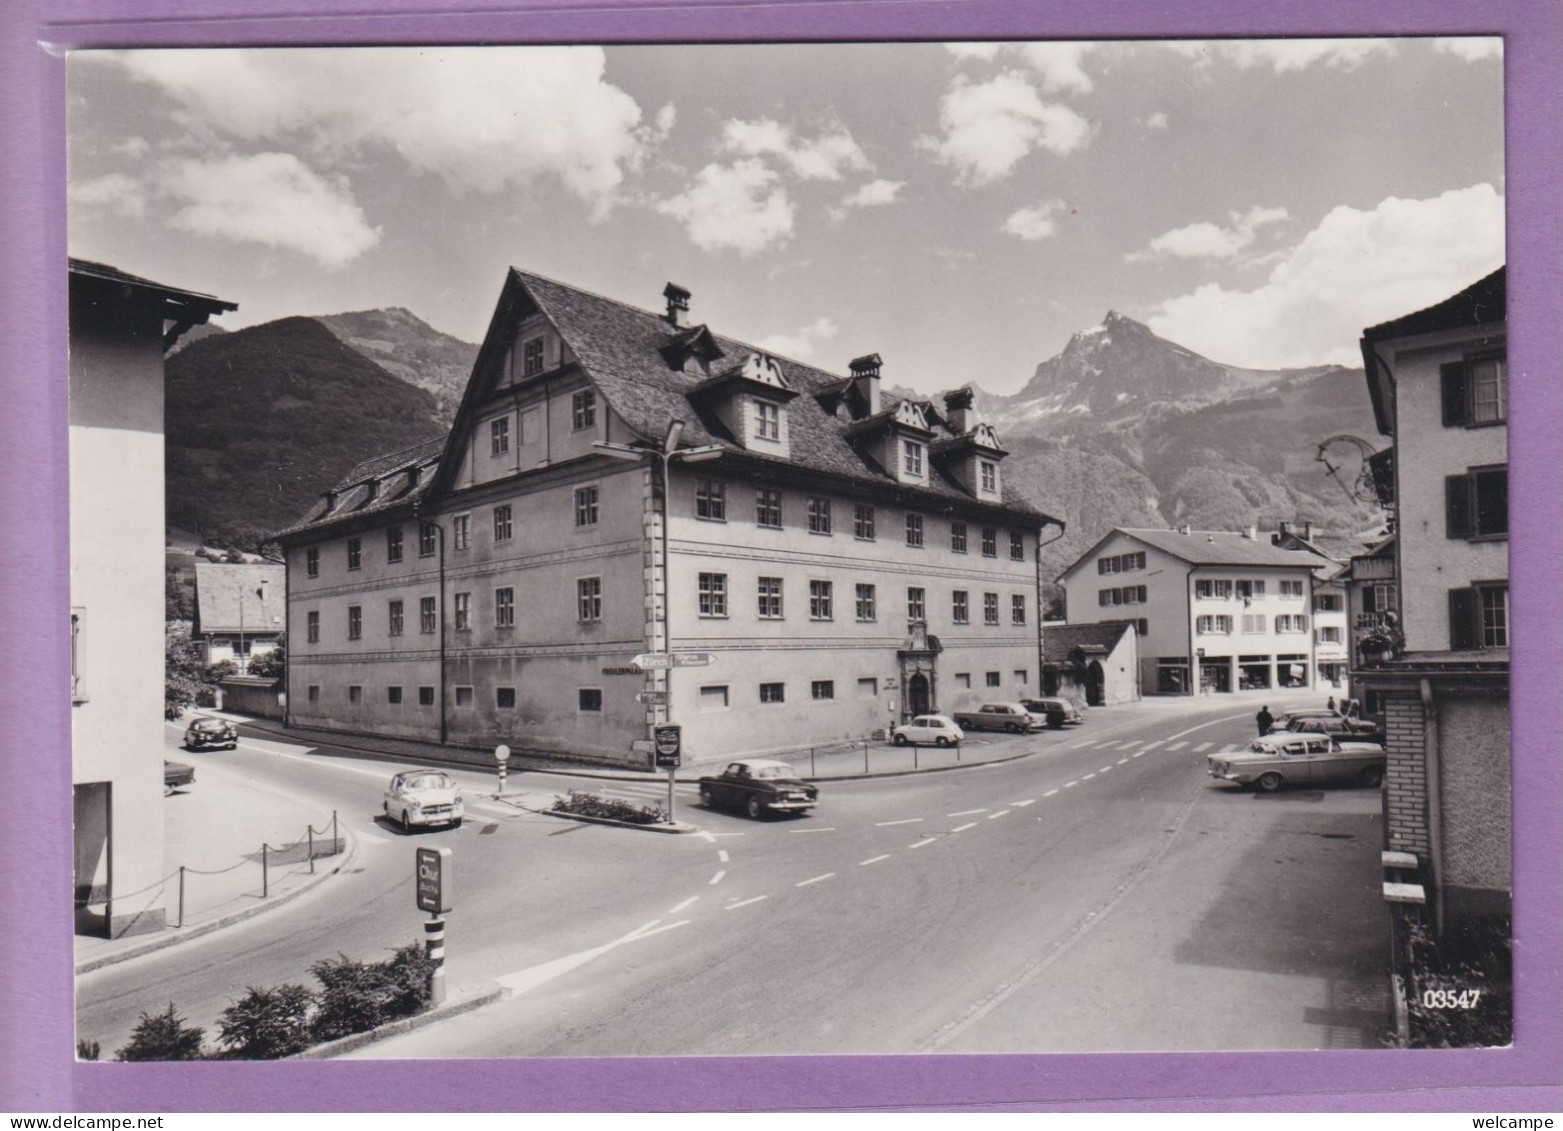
676, 908
904, 821
924, 841
1000, 813
1202, 747
1050, 793
1023, 804
813, 880
1176, 746
965, 812
963, 828
716, 879
1070, 784
1084, 777
744, 902
825, 830
874, 859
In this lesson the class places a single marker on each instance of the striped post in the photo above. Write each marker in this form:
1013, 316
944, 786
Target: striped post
311, 850
434, 946
265, 870
181, 895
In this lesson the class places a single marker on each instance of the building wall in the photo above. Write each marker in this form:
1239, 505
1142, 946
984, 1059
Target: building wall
1474, 772
1426, 452
1327, 652
116, 472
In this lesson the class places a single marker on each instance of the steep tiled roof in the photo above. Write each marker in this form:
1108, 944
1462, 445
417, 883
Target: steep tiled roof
620, 347
1058, 641
393, 488
1481, 304
1221, 547
220, 586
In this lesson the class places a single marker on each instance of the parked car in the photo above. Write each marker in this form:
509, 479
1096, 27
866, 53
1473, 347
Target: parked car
424, 797
1293, 757
1354, 730
928, 730
1058, 712
1000, 716
175, 775
758, 786
207, 733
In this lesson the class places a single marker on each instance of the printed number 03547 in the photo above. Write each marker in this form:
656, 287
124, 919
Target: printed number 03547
1450, 999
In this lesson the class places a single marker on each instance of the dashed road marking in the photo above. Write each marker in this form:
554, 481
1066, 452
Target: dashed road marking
813, 880
921, 843
1104, 769
1000, 813
1153, 745
965, 812
904, 821
722, 855
674, 910
824, 830
1023, 804
744, 902
1050, 793
1070, 784
963, 828
1177, 746
1203, 746
1083, 777
1137, 753
874, 859
1127, 745
716, 879
1121, 761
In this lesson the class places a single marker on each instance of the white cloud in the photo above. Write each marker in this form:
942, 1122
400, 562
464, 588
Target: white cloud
1035, 223
1205, 240
483, 118
801, 343
984, 51
1282, 55
874, 194
114, 193
1472, 48
988, 127
1157, 121
739, 207
1355, 269
272, 199
824, 158
132, 147
1059, 64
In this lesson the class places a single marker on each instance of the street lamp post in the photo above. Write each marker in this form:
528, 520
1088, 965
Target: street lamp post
665, 455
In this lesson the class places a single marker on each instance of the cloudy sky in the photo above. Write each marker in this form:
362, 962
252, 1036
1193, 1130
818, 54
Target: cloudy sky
960, 209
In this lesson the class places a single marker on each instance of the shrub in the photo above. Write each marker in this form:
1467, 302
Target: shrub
1474, 959
273, 664
163, 1037
585, 804
358, 996
410, 972
268, 1023
87, 1050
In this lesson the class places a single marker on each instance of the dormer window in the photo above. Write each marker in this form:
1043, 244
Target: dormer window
989, 473
531, 357
912, 457
767, 420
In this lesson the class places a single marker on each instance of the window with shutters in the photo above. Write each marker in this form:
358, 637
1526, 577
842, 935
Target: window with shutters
1475, 392
1479, 617
1494, 600
1476, 504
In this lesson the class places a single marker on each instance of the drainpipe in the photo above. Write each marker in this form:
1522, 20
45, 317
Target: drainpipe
287, 634
1195, 673
1435, 801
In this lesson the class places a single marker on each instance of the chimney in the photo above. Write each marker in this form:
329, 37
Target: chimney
329, 498
1308, 529
678, 305
865, 380
959, 414
1285, 529
1251, 533
1185, 529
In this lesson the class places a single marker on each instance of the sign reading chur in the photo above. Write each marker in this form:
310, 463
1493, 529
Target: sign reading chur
433, 880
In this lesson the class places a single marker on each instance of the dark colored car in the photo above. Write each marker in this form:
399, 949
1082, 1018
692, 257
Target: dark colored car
1338, 727
758, 786
1058, 712
176, 774
207, 733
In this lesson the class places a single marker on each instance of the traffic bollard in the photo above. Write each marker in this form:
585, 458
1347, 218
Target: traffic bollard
434, 946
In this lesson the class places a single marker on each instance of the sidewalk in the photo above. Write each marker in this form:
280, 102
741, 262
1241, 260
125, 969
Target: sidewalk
215, 831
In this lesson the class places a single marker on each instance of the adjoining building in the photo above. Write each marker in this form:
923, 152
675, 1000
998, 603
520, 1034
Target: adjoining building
1216, 611
621, 482
1093, 665
120, 326
1332, 635
239, 610
1439, 384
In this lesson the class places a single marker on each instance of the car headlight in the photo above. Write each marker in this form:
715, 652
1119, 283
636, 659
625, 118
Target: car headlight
416, 804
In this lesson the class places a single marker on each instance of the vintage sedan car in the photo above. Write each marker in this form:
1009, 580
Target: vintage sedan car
424, 798
1300, 758
928, 730
758, 786
207, 733
1001, 716
1058, 712
175, 775
1347, 730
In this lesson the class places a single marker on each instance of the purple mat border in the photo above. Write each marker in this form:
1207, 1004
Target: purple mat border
37, 1070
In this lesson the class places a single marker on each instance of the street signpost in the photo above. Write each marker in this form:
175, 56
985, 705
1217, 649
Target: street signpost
660, 661
667, 755
653, 698
432, 886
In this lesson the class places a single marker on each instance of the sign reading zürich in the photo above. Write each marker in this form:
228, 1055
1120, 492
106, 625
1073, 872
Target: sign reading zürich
648, 661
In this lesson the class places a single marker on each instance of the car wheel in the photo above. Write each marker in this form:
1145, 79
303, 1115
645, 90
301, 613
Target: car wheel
1015, 728
1371, 776
405, 827
941, 741
899, 740
754, 807
1269, 783
707, 798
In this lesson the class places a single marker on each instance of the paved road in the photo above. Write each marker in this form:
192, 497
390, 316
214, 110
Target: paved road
1104, 894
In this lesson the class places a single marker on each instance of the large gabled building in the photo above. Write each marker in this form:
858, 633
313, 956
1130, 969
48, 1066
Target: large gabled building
845, 557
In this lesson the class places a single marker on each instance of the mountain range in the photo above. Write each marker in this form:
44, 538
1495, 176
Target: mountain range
1120, 428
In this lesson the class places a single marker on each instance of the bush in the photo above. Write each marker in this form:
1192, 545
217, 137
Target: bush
358, 996
1473, 959
268, 1024
273, 664
585, 804
221, 670
163, 1037
87, 1050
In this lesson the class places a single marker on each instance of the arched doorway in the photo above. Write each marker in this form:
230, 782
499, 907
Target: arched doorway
1095, 685
917, 694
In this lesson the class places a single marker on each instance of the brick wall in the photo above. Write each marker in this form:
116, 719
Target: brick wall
1407, 775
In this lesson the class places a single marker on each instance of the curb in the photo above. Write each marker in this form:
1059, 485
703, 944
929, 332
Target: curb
678, 827
162, 942
465, 1000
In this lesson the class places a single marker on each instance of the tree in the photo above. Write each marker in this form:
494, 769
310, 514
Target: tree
164, 1037
268, 1023
273, 664
184, 676
178, 595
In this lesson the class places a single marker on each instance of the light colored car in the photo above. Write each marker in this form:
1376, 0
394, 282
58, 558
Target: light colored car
1299, 758
424, 798
1000, 716
928, 730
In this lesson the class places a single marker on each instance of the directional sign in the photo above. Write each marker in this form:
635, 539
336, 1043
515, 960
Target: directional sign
653, 661
647, 661
433, 880
652, 698
693, 659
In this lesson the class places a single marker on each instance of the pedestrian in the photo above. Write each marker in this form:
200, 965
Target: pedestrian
1331, 704
1265, 720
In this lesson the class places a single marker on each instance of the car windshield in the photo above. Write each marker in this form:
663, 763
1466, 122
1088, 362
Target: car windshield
769, 773
207, 724
428, 781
